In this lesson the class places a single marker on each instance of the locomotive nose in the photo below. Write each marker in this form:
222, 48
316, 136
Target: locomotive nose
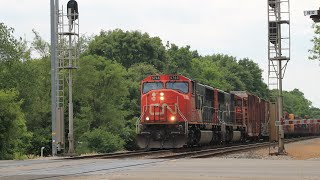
161, 106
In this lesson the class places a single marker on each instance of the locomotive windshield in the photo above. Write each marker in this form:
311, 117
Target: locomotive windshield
180, 86
148, 86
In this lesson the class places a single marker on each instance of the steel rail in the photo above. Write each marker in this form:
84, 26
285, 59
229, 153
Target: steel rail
119, 154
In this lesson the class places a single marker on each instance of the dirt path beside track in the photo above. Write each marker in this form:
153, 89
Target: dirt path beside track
302, 150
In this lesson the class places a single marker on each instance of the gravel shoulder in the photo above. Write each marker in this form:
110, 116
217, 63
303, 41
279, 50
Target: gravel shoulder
302, 150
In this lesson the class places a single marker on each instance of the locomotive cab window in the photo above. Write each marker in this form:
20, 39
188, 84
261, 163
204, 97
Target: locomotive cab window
179, 86
148, 86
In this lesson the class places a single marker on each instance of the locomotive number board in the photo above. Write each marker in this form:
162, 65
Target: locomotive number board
155, 77
174, 77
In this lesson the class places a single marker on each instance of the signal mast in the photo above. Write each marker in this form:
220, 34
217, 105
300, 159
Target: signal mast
278, 52
64, 57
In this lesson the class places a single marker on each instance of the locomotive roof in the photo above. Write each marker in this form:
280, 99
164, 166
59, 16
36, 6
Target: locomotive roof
246, 94
212, 88
238, 93
166, 75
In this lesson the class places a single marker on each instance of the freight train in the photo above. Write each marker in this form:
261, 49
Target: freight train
177, 111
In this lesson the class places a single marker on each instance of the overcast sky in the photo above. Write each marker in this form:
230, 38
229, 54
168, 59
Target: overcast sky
233, 27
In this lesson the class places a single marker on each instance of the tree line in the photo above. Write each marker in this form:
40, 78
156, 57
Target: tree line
106, 88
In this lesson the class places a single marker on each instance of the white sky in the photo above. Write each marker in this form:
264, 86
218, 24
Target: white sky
233, 27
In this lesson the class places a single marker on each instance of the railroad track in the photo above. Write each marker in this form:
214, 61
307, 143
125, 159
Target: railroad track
121, 154
192, 153
195, 152
151, 154
212, 151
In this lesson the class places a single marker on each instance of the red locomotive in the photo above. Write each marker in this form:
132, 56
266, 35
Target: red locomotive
177, 111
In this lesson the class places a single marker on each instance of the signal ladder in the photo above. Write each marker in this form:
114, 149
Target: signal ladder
278, 40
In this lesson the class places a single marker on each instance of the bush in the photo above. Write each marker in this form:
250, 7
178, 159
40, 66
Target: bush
19, 156
101, 141
129, 135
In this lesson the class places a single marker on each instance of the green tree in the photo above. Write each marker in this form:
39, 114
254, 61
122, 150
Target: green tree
128, 48
230, 68
35, 90
251, 75
294, 102
9, 45
14, 138
40, 46
314, 112
315, 51
102, 141
207, 72
179, 59
100, 93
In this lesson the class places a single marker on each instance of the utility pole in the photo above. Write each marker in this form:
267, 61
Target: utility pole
70, 105
278, 52
56, 83
53, 74
280, 97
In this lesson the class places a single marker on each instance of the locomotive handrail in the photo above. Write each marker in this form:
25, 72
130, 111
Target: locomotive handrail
221, 120
137, 125
180, 113
185, 120
139, 120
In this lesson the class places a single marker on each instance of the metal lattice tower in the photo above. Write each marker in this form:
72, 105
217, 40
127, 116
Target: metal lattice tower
67, 61
278, 51
278, 40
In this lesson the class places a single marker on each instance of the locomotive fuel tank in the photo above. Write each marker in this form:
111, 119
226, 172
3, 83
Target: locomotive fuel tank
206, 137
236, 136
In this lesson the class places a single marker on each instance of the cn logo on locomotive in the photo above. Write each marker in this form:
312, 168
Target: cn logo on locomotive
164, 106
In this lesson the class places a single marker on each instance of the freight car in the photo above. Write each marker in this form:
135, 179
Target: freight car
299, 130
177, 111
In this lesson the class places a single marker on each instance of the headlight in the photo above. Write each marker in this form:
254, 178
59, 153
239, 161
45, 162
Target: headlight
147, 118
161, 98
161, 94
173, 118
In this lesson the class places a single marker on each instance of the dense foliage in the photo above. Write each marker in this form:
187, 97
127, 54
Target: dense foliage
14, 138
294, 102
106, 88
